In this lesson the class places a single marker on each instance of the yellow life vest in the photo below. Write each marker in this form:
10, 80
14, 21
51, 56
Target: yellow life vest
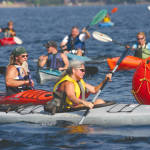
76, 87
106, 19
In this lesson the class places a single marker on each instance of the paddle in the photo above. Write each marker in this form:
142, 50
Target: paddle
99, 17
115, 9
113, 71
104, 38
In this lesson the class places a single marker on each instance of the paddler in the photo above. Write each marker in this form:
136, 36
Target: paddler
8, 31
75, 42
107, 19
17, 79
142, 48
75, 89
53, 60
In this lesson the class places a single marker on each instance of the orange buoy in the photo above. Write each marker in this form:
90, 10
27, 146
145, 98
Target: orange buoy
141, 83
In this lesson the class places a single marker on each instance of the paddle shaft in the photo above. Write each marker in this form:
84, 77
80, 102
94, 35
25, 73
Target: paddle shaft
113, 71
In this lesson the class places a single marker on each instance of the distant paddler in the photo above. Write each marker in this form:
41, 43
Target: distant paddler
54, 59
75, 42
106, 19
9, 31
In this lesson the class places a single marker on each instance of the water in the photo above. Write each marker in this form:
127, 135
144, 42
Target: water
35, 26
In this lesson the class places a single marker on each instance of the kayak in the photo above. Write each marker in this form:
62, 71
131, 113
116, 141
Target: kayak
44, 75
109, 115
34, 97
47, 74
10, 41
128, 63
141, 83
80, 58
106, 24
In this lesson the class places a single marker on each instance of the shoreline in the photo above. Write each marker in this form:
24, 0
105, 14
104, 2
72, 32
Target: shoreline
21, 4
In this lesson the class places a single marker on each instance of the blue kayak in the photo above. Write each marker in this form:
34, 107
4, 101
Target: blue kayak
80, 58
106, 24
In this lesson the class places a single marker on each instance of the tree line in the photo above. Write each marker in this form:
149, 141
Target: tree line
61, 2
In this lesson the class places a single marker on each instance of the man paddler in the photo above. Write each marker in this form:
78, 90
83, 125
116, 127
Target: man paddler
73, 86
17, 77
53, 60
75, 42
141, 48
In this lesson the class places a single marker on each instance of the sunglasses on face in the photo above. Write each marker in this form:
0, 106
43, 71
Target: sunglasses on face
140, 38
82, 70
23, 56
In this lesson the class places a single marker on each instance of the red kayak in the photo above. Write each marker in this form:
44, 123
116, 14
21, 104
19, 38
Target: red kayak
10, 41
141, 83
128, 63
35, 97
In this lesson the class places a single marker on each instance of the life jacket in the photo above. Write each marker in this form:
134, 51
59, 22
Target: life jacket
75, 44
106, 19
78, 86
14, 90
55, 61
8, 32
142, 52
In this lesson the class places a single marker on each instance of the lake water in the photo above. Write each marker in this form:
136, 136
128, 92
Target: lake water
36, 26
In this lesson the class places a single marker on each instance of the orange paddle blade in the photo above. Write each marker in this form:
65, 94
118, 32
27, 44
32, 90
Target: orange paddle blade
114, 10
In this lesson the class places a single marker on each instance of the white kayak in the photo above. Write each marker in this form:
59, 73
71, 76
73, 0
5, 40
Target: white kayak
47, 75
109, 115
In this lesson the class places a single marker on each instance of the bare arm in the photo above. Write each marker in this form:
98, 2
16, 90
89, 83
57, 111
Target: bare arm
11, 74
66, 62
70, 92
42, 61
95, 89
86, 33
64, 42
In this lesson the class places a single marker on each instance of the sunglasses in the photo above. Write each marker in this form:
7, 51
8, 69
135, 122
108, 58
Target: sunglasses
23, 56
82, 70
140, 38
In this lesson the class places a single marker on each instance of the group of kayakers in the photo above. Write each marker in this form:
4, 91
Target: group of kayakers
71, 83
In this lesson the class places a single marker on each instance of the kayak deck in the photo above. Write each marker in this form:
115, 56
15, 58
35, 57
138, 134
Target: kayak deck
113, 115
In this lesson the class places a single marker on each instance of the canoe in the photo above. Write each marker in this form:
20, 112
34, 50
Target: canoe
106, 24
34, 97
10, 41
109, 115
141, 83
128, 63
